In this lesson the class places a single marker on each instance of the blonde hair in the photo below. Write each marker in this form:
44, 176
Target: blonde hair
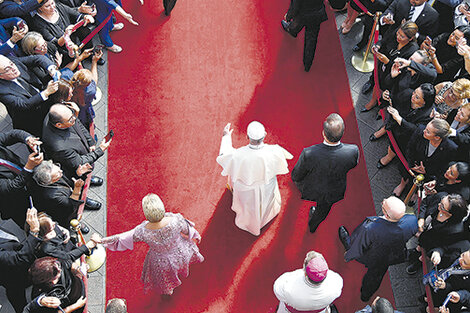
153, 207
462, 88
82, 77
30, 42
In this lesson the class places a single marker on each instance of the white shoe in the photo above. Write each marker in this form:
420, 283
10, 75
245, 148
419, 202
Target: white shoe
114, 48
118, 26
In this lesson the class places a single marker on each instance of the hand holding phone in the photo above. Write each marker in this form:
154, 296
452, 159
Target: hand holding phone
21, 25
109, 136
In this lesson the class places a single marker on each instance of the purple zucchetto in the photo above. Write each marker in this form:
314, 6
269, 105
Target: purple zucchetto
316, 269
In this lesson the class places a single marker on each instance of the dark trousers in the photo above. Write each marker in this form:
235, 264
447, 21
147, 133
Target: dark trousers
372, 280
368, 22
321, 212
168, 5
310, 42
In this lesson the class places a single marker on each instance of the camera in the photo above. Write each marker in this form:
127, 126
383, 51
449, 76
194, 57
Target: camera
97, 49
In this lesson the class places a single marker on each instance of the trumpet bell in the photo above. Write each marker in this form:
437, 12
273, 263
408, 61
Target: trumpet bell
96, 259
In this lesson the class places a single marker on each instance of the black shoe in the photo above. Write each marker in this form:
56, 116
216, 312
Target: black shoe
367, 87
91, 204
365, 298
85, 230
285, 26
413, 268
333, 308
373, 138
344, 237
380, 165
96, 181
101, 61
356, 48
310, 216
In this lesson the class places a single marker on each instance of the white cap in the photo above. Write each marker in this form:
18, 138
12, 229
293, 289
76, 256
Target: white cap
255, 131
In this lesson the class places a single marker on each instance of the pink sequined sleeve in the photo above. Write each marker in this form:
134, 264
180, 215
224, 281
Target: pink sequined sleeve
120, 242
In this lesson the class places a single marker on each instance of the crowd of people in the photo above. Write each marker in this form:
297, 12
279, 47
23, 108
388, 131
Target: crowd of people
48, 84
421, 86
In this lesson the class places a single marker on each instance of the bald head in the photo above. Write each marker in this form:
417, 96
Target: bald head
8, 69
61, 116
393, 208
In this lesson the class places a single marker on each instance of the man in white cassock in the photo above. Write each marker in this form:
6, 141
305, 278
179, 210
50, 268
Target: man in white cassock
251, 172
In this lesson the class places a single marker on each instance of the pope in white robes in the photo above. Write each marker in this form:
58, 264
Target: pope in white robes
252, 172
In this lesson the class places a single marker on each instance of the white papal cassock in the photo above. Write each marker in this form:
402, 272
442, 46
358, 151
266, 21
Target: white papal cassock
252, 174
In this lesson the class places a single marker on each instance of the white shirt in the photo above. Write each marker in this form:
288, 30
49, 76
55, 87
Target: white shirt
293, 289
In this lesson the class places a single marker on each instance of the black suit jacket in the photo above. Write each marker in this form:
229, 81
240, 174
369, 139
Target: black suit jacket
377, 242
321, 171
427, 21
26, 110
13, 192
438, 162
307, 11
15, 259
55, 200
70, 147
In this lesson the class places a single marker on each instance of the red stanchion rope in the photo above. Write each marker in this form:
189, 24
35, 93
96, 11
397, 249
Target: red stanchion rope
95, 31
362, 7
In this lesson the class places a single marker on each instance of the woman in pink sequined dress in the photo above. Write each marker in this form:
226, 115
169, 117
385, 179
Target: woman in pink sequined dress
172, 248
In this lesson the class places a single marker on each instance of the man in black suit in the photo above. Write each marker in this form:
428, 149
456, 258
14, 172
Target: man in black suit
418, 11
55, 194
309, 14
379, 242
20, 91
15, 172
321, 171
16, 255
23, 9
68, 142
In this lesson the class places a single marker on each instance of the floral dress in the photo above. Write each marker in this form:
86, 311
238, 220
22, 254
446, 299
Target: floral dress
171, 251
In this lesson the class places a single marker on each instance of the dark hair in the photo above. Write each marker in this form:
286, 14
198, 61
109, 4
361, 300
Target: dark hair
458, 207
463, 169
441, 126
44, 227
429, 94
43, 271
116, 305
465, 29
333, 127
62, 93
382, 306
410, 29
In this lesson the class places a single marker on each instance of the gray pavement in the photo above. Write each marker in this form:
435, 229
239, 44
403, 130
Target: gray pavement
406, 289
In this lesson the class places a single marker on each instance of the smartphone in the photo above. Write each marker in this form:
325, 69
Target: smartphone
56, 76
21, 25
38, 148
31, 202
98, 48
109, 136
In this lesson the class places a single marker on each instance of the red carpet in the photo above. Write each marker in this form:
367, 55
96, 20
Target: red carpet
177, 83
